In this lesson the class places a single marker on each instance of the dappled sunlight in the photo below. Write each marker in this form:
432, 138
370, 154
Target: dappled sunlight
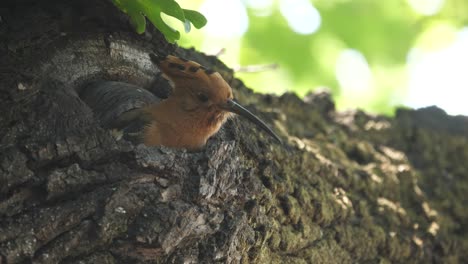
395, 207
377, 125
370, 180
342, 199
433, 228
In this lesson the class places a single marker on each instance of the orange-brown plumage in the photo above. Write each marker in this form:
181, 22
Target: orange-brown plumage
192, 113
200, 103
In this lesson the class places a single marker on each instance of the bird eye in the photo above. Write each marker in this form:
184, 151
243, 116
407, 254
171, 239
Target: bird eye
202, 97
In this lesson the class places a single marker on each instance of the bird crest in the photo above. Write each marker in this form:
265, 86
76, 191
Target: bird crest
175, 67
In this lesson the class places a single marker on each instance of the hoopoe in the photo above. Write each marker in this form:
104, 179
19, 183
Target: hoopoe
200, 103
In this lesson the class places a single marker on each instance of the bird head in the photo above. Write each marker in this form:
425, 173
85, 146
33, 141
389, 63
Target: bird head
203, 92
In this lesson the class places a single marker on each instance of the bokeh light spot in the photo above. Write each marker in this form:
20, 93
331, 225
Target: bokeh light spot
439, 77
302, 16
426, 7
227, 18
353, 72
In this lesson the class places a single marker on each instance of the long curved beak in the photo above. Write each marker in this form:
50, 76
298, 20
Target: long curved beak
234, 107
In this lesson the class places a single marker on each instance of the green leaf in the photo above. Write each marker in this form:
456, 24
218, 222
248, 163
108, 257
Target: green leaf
139, 22
172, 8
136, 17
152, 9
197, 19
119, 4
171, 34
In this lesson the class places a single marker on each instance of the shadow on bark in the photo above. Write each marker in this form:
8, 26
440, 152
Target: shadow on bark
348, 188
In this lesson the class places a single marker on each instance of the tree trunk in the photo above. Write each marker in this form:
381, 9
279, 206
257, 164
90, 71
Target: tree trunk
347, 188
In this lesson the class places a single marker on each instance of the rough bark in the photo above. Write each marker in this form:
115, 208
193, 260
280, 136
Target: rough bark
348, 188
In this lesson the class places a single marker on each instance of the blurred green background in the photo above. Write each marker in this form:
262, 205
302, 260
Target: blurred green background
371, 54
